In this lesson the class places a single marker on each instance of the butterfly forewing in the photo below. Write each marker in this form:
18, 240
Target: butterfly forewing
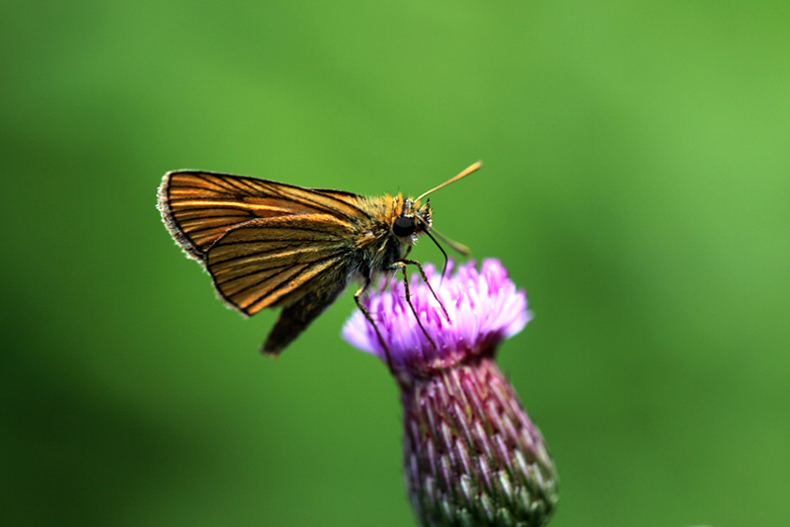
200, 207
264, 243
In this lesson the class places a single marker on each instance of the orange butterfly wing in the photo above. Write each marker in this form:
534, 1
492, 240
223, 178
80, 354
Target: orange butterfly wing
264, 243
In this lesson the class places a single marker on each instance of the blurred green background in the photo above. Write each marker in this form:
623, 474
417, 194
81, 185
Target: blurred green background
636, 183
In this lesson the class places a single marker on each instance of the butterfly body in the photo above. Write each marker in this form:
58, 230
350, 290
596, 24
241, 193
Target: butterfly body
268, 244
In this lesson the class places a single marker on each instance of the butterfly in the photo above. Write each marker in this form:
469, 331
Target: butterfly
274, 245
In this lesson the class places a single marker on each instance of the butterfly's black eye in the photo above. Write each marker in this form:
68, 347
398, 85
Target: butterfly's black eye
403, 226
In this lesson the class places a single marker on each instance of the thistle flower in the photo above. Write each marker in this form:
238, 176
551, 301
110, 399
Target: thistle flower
472, 457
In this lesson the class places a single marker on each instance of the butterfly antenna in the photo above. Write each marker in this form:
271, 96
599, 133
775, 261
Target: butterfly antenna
465, 173
460, 248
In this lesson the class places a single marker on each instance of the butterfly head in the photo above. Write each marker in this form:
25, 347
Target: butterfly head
413, 220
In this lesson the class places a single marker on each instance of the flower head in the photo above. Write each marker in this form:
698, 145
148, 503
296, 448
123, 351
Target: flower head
471, 454
484, 307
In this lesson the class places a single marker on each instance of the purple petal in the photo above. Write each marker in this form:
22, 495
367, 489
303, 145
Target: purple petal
484, 307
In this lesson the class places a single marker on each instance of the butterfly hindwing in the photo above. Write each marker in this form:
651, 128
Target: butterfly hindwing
273, 261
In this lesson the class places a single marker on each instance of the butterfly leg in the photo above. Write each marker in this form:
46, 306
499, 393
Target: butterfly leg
425, 279
402, 264
368, 316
